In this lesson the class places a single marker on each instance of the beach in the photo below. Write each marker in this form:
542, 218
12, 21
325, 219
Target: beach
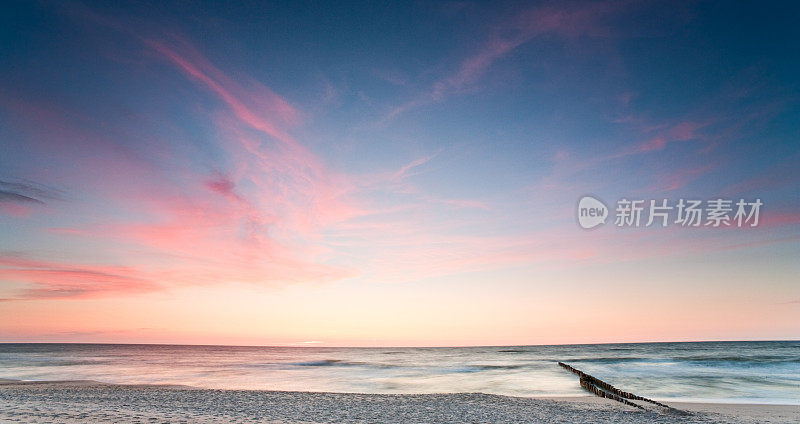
92, 402
735, 382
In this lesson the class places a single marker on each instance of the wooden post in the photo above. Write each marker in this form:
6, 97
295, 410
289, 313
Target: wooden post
605, 390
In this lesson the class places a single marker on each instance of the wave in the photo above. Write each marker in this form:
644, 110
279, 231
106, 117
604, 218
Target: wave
468, 369
458, 369
61, 362
326, 363
342, 363
499, 367
612, 359
761, 359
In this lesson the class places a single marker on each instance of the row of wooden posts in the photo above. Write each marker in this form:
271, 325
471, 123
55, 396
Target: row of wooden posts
605, 390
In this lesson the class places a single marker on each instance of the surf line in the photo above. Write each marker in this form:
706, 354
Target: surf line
605, 390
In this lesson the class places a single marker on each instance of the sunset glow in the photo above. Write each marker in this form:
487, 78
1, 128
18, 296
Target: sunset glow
312, 177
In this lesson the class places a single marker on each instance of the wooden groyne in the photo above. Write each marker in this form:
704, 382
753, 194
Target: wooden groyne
605, 390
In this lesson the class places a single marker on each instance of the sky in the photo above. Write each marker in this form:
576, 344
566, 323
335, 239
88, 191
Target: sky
394, 173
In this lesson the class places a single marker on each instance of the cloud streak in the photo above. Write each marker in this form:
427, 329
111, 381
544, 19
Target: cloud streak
19, 198
26, 192
567, 21
55, 280
256, 105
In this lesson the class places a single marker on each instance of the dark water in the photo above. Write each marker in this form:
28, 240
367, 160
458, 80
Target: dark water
737, 372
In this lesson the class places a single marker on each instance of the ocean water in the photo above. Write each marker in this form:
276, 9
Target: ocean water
731, 372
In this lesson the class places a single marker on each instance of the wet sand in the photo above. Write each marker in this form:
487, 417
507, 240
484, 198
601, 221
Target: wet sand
91, 402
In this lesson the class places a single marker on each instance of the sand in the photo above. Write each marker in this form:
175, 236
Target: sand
91, 402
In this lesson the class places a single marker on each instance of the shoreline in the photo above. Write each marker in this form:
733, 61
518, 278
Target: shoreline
96, 402
78, 383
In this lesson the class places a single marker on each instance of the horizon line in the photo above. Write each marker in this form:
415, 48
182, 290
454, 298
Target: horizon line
317, 346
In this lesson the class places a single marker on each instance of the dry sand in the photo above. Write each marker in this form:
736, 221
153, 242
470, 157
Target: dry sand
90, 402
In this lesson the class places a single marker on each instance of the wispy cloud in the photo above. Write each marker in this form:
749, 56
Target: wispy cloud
256, 104
27, 191
17, 197
55, 280
680, 132
678, 178
406, 169
569, 21
782, 174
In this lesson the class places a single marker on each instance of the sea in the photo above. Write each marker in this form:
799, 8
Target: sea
762, 372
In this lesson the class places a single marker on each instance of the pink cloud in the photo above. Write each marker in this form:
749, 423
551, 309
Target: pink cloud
67, 231
255, 104
222, 184
17, 210
779, 218
702, 131
656, 143
59, 280
673, 180
567, 166
682, 131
